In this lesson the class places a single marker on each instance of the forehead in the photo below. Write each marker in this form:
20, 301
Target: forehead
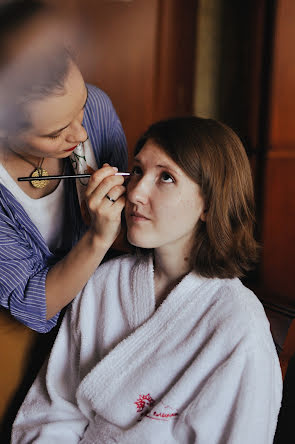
58, 109
153, 157
152, 154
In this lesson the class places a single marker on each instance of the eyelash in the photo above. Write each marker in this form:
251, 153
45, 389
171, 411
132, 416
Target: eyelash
134, 171
54, 137
169, 175
139, 171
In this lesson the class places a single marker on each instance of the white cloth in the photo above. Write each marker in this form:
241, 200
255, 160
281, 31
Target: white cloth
47, 212
83, 162
202, 368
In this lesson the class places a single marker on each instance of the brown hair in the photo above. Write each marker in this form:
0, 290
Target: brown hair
212, 155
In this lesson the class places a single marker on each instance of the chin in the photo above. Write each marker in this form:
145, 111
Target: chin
140, 243
134, 242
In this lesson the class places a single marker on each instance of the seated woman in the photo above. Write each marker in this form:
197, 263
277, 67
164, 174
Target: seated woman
167, 345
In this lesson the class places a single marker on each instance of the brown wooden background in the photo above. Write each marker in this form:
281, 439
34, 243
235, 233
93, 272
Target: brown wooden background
142, 53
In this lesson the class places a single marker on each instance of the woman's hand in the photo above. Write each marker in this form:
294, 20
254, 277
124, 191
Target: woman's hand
66, 278
105, 214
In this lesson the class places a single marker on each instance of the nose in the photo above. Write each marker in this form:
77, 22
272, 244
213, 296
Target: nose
77, 132
139, 190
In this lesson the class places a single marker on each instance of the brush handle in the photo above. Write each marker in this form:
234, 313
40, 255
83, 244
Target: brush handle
63, 176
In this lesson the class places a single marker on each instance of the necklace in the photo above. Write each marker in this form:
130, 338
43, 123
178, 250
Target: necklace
38, 172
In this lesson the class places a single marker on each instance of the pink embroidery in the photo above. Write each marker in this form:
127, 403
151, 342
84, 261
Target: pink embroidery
144, 401
144, 406
165, 415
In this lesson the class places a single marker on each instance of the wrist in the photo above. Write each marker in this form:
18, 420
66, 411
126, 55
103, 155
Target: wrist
96, 243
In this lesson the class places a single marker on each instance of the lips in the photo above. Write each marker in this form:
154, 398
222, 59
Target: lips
72, 149
137, 216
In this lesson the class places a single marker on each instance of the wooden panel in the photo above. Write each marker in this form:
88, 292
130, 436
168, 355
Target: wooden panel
282, 134
241, 67
288, 349
122, 49
175, 59
16, 341
142, 55
141, 52
254, 47
278, 266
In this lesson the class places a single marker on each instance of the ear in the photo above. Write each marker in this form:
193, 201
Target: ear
203, 216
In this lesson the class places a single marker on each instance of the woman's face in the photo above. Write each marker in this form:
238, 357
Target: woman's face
163, 204
56, 121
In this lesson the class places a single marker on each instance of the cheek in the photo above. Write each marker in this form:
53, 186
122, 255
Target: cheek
182, 211
169, 210
47, 145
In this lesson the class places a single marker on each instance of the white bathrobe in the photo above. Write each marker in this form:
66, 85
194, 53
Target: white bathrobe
202, 368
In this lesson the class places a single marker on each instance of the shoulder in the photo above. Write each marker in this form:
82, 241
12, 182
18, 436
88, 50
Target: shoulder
237, 309
239, 299
105, 281
101, 120
11, 211
107, 276
114, 267
5, 196
98, 99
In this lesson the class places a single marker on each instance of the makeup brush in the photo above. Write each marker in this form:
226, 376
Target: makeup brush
62, 176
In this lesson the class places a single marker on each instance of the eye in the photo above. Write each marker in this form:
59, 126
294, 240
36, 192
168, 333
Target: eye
167, 178
54, 137
136, 171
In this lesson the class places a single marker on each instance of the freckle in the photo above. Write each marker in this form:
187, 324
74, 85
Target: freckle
186, 259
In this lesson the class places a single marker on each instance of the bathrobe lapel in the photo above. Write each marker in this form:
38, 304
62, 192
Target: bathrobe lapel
114, 386
137, 291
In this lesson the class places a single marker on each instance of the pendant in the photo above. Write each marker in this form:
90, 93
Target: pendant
39, 172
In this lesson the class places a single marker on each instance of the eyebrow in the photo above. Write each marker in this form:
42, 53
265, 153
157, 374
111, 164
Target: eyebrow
165, 167
53, 133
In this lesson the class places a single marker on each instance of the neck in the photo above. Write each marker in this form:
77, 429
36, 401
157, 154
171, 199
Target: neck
17, 167
10, 154
26, 157
170, 265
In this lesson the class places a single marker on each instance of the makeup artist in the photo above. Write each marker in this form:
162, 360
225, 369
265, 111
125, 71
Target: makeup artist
52, 122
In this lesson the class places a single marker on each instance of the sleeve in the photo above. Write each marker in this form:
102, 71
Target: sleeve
50, 413
238, 402
104, 129
23, 270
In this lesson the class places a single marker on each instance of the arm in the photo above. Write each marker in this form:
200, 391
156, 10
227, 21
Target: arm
23, 266
69, 276
104, 129
24, 257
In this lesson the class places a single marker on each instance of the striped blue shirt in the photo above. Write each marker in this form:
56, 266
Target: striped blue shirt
24, 256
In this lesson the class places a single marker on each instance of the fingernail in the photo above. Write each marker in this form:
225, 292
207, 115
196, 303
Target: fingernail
115, 169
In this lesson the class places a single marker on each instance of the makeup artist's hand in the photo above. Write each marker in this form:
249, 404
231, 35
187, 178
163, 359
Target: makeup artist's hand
68, 276
105, 213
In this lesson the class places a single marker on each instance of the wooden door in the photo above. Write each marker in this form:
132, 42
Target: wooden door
142, 55
122, 50
278, 266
